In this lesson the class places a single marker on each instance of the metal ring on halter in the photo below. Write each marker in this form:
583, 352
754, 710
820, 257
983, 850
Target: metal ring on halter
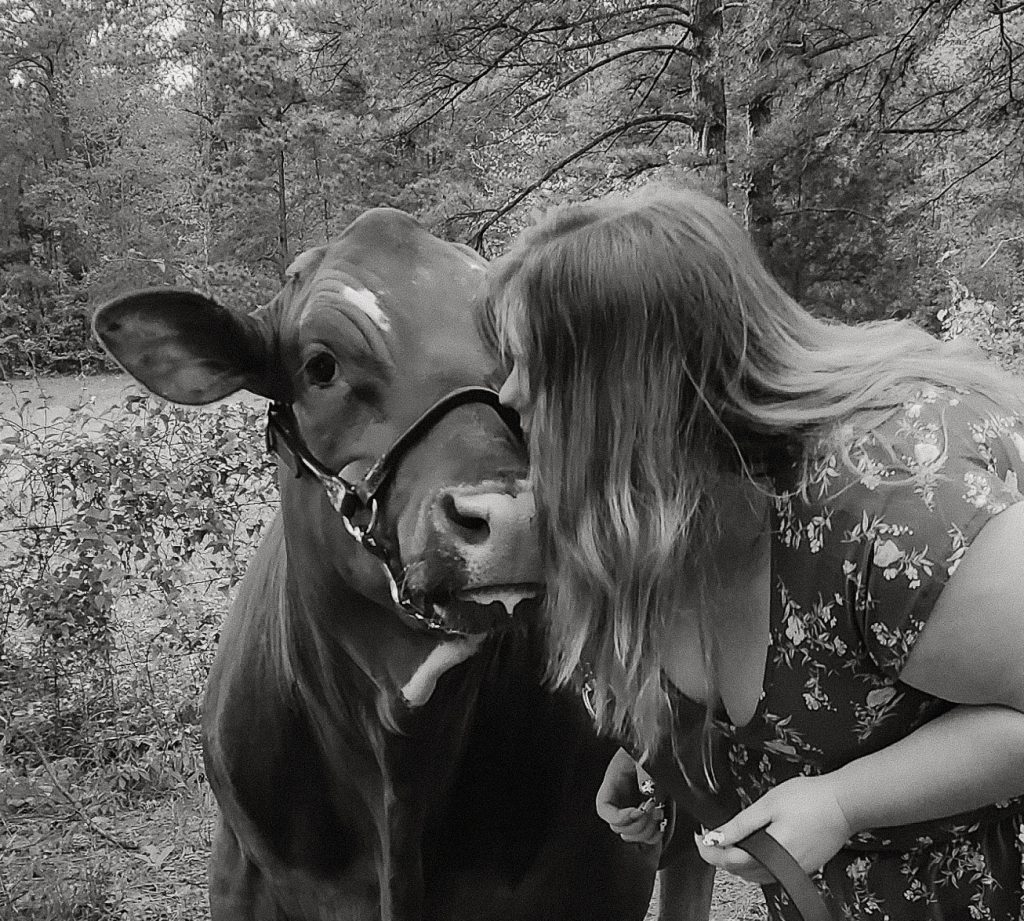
362, 534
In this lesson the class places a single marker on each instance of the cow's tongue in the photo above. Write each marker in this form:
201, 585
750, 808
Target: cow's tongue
447, 654
471, 617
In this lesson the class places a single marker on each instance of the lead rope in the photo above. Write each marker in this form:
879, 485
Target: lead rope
760, 845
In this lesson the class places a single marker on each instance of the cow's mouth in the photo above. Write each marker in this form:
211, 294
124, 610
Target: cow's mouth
473, 611
463, 620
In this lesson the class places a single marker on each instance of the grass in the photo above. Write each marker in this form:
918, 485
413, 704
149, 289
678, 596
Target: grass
146, 861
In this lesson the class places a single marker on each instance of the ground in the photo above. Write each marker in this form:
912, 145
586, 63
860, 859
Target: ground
148, 863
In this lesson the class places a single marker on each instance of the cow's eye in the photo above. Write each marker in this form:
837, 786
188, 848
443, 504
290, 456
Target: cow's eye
321, 369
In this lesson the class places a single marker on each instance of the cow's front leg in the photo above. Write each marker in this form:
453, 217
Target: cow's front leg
685, 891
685, 881
400, 867
238, 890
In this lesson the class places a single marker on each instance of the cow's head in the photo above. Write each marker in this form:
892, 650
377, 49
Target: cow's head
369, 333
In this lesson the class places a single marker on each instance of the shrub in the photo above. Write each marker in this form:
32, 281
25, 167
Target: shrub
121, 535
997, 329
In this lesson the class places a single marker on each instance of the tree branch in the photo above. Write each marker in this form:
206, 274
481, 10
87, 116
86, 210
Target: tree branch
476, 239
597, 65
119, 842
963, 178
467, 85
853, 211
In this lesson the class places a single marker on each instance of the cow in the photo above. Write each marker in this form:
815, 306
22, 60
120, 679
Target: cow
376, 728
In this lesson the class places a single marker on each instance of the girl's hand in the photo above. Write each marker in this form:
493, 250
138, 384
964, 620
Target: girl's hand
633, 815
802, 814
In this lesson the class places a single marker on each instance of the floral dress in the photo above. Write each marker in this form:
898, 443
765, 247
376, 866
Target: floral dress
858, 560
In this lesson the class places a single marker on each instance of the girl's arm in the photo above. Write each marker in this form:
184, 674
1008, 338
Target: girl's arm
971, 652
966, 758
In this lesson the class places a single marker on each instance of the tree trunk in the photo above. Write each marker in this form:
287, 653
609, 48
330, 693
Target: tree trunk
759, 212
708, 94
283, 259
212, 143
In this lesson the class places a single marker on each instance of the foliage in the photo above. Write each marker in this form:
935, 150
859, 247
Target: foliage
887, 125
122, 534
870, 148
994, 328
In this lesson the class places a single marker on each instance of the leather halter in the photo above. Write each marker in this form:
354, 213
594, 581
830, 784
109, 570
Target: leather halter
359, 502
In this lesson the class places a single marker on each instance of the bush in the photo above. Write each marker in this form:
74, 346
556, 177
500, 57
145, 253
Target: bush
997, 329
42, 329
121, 535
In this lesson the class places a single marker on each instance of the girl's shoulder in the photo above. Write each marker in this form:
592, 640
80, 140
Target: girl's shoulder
884, 508
940, 447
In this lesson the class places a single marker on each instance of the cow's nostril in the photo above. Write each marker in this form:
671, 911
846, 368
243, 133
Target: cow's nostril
465, 520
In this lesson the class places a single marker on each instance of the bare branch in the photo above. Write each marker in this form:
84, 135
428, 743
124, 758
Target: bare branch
659, 25
465, 87
201, 115
476, 240
657, 77
924, 129
963, 177
597, 65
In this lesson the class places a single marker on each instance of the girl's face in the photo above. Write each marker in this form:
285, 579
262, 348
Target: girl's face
515, 392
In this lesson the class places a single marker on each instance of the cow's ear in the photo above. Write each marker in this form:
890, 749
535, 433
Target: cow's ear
187, 348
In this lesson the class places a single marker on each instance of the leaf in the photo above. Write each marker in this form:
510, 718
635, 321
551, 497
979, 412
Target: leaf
156, 855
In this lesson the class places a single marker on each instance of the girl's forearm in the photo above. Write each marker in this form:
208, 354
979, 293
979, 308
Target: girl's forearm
964, 759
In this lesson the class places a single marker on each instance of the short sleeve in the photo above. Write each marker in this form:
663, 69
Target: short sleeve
925, 483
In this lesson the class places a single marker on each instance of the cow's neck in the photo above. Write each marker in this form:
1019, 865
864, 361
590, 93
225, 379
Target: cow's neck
349, 645
348, 660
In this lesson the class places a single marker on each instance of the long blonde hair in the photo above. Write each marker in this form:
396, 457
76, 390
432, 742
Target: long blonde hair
661, 356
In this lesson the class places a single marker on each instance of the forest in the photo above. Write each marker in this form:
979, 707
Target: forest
875, 151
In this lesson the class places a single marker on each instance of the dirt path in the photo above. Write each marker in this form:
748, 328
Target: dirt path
59, 395
68, 392
45, 400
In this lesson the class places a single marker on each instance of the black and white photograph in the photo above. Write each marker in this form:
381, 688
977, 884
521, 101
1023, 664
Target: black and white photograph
533, 460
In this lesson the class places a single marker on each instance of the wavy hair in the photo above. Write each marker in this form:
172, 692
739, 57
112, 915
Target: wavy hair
662, 356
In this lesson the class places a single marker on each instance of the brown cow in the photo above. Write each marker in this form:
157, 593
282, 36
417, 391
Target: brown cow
376, 728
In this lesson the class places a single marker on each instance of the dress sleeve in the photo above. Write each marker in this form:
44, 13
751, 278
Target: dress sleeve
926, 483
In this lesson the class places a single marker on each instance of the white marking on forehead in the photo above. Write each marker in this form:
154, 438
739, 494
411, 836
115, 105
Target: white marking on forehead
367, 302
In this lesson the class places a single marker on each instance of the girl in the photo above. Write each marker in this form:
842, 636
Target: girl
813, 531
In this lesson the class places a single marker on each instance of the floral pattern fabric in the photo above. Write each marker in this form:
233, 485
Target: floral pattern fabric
866, 535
